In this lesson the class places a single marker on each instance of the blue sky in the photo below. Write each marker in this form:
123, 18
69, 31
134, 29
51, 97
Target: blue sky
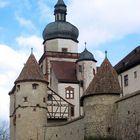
112, 25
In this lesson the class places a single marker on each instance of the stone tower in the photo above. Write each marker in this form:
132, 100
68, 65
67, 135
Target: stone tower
86, 68
98, 101
28, 109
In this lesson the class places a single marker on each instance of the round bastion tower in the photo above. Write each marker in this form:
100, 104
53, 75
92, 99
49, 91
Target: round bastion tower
86, 68
98, 101
28, 109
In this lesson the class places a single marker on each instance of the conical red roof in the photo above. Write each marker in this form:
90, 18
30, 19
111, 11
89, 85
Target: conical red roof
104, 82
31, 71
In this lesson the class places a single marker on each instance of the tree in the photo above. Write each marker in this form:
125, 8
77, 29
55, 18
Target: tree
4, 131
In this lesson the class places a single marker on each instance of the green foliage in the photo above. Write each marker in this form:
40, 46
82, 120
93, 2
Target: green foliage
99, 138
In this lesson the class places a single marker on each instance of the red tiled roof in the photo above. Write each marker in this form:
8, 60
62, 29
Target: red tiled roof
31, 71
104, 82
64, 71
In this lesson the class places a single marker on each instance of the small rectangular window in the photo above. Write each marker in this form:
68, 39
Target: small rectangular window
64, 50
18, 88
34, 86
25, 99
72, 111
50, 98
44, 100
135, 74
126, 80
80, 68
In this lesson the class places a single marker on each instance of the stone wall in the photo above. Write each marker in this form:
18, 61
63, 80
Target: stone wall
126, 122
72, 130
98, 113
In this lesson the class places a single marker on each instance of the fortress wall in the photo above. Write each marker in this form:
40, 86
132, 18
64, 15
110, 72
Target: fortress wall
127, 117
72, 130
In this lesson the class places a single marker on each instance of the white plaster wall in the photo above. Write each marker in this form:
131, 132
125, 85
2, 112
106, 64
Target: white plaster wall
57, 45
54, 82
76, 100
133, 83
87, 72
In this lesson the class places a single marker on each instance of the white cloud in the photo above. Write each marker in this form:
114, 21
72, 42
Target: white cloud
3, 3
35, 42
102, 21
25, 23
45, 10
11, 63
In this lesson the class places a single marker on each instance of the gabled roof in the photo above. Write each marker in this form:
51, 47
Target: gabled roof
104, 82
31, 71
131, 60
64, 71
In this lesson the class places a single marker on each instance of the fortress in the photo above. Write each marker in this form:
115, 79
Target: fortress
65, 96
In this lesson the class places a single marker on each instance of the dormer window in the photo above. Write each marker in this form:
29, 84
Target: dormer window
69, 93
34, 86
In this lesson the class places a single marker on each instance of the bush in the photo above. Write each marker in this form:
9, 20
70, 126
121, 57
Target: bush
99, 138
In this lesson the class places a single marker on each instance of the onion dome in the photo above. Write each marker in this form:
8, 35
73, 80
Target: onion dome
86, 56
31, 71
104, 82
60, 28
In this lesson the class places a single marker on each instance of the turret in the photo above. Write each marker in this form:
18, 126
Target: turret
60, 35
98, 101
86, 68
28, 103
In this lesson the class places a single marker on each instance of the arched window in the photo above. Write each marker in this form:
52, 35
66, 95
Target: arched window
69, 93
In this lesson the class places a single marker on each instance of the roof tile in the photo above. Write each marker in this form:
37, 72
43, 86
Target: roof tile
105, 81
31, 71
131, 60
64, 71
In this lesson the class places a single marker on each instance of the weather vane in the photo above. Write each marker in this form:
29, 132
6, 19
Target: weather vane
31, 50
85, 44
106, 54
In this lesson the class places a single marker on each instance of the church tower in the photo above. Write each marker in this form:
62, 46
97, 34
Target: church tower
98, 101
28, 99
60, 35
